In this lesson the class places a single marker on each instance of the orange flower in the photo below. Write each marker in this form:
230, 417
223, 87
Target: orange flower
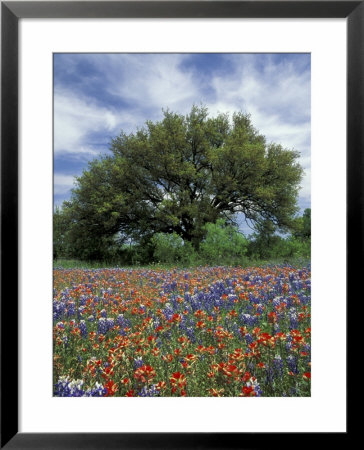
168, 357
246, 376
176, 318
191, 358
161, 385
272, 317
237, 355
178, 379
248, 391
216, 392
145, 374
230, 370
111, 388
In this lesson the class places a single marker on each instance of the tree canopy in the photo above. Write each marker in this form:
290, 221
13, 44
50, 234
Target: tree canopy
180, 173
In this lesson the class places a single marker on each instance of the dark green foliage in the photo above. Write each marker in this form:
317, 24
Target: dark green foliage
170, 248
223, 244
302, 226
266, 244
60, 227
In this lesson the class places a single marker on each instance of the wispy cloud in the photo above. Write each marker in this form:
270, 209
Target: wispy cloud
63, 183
150, 82
75, 118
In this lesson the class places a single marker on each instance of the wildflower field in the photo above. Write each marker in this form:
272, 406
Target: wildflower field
207, 331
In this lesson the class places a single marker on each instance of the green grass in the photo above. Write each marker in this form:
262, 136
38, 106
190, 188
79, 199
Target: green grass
78, 264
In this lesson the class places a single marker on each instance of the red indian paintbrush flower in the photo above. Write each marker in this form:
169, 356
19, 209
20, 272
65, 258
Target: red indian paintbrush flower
178, 379
145, 374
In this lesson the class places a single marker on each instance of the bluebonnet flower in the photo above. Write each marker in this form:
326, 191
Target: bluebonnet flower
307, 348
293, 319
124, 323
248, 319
151, 392
80, 311
103, 313
71, 310
276, 301
110, 323
292, 364
168, 311
191, 334
120, 320
278, 366
66, 388
288, 343
102, 326
59, 309
83, 328
250, 366
269, 375
253, 383
138, 362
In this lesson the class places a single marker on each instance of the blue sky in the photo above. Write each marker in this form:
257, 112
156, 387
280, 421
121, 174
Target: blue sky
98, 95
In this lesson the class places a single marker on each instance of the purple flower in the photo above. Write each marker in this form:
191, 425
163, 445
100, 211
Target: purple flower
71, 310
138, 362
74, 388
110, 323
83, 328
278, 366
151, 392
102, 326
292, 364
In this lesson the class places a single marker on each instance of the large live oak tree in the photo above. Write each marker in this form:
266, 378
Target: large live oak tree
178, 174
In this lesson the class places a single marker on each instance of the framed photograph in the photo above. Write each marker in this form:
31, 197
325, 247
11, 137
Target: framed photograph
175, 275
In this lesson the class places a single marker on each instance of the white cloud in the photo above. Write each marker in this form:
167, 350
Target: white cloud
151, 81
63, 183
76, 117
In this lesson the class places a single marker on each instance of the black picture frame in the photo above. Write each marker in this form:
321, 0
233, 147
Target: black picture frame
11, 12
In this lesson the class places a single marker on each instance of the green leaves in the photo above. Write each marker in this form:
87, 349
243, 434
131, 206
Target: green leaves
180, 173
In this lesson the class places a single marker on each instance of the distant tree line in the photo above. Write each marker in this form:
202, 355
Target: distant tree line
171, 192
